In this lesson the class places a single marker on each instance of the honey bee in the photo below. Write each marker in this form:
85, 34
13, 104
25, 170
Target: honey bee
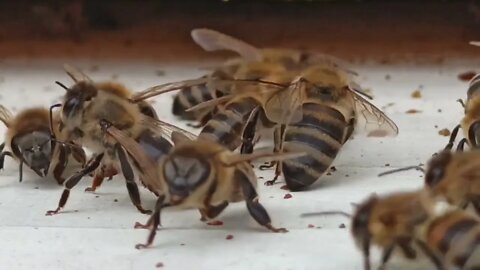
470, 123
315, 112
414, 221
86, 105
253, 63
455, 177
32, 141
203, 175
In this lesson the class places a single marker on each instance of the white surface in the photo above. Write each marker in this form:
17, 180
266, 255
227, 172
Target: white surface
94, 232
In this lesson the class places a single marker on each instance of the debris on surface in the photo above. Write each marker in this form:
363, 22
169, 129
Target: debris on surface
444, 132
115, 200
333, 169
466, 76
160, 73
416, 94
229, 237
215, 223
342, 226
436, 126
159, 265
412, 111
311, 226
387, 164
287, 196
388, 77
439, 110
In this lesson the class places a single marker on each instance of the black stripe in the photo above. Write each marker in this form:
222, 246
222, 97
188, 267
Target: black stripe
225, 138
296, 177
332, 130
474, 87
154, 146
324, 109
230, 121
313, 142
243, 108
461, 227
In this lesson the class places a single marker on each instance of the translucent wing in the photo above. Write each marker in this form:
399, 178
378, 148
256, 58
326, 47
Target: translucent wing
211, 40
285, 106
371, 119
76, 74
145, 164
164, 129
168, 87
5, 116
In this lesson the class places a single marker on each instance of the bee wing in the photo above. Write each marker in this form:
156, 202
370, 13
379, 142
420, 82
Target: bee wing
211, 40
168, 87
371, 119
145, 164
285, 106
76, 74
5, 116
165, 129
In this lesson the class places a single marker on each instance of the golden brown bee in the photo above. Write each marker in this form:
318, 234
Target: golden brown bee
203, 175
454, 238
254, 63
86, 105
30, 140
470, 123
455, 177
315, 112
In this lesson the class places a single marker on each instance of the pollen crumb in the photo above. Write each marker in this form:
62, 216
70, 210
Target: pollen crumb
412, 111
416, 94
444, 132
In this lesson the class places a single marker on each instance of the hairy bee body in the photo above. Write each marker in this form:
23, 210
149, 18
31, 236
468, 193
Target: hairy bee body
29, 139
455, 237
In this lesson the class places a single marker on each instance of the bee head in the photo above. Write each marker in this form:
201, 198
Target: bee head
77, 98
35, 149
436, 168
361, 220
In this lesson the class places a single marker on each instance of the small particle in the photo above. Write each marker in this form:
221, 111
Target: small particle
346, 175
466, 76
215, 223
342, 226
416, 94
159, 265
311, 226
160, 73
329, 173
76, 211
388, 77
412, 111
88, 217
115, 200
182, 244
260, 177
444, 132
287, 196
94, 68
387, 164
229, 237
284, 187
319, 227
35, 187
96, 196
439, 110
333, 169
436, 126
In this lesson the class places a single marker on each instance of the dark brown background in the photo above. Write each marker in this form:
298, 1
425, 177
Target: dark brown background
159, 30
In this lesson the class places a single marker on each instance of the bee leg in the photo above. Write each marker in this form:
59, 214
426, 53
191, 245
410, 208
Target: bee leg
279, 138
97, 181
248, 136
407, 249
453, 136
79, 155
152, 222
387, 253
61, 164
73, 181
212, 211
430, 254
366, 253
256, 210
20, 171
461, 145
2, 158
130, 180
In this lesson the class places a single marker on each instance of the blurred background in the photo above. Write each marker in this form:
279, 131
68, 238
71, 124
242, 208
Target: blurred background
377, 30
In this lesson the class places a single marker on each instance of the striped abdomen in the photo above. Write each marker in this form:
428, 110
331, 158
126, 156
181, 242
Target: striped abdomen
320, 134
454, 236
226, 126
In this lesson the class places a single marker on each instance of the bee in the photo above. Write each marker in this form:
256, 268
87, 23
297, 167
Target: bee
31, 140
470, 123
85, 106
315, 112
413, 221
456, 178
253, 63
203, 175
454, 238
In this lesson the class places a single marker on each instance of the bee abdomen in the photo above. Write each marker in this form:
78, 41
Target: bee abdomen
191, 96
320, 134
227, 125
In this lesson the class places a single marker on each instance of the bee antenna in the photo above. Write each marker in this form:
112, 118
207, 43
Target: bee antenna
327, 213
62, 85
52, 133
416, 167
